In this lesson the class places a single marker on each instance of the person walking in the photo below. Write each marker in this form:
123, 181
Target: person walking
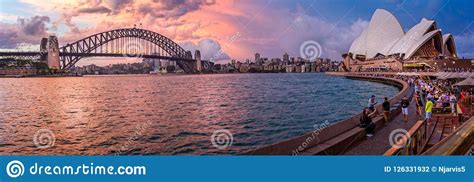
428, 110
444, 99
386, 111
405, 103
424, 93
452, 102
419, 104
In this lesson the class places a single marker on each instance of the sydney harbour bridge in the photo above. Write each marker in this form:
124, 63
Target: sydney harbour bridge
127, 42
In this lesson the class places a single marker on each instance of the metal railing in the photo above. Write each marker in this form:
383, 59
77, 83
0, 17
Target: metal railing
458, 143
413, 142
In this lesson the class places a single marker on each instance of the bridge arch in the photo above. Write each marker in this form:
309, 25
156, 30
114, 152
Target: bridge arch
73, 52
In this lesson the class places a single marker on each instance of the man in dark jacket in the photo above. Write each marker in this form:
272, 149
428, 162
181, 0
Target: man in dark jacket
405, 103
386, 111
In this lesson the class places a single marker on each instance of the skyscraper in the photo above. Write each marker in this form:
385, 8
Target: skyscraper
257, 57
286, 57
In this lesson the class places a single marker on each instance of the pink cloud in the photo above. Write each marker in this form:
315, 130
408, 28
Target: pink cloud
197, 23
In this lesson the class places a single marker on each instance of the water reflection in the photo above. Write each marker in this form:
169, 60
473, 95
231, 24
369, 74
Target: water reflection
143, 114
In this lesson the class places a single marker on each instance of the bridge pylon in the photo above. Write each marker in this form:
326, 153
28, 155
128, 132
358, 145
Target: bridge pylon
53, 53
44, 50
197, 57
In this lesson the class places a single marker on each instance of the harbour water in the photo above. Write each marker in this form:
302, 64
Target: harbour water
172, 115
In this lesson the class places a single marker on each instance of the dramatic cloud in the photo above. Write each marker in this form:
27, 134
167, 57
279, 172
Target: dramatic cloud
261, 33
210, 49
118, 4
206, 25
227, 28
98, 9
34, 26
25, 31
8, 38
170, 9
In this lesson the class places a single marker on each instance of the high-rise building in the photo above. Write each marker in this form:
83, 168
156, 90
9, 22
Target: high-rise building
257, 57
286, 57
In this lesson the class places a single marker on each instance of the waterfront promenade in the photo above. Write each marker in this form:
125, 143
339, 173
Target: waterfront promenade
347, 138
337, 138
380, 142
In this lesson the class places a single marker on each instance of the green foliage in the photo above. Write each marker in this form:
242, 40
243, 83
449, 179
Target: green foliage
40, 65
12, 62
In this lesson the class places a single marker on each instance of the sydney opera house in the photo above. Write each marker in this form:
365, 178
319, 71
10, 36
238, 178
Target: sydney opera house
384, 45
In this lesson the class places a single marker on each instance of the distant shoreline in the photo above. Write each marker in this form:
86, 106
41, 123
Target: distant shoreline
167, 74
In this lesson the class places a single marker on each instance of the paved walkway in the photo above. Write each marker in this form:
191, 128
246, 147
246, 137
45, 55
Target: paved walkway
379, 143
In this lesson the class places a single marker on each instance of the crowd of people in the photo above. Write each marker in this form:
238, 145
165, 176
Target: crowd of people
428, 96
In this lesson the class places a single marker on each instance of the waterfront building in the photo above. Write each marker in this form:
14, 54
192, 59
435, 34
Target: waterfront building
313, 67
244, 68
257, 57
290, 68
384, 45
156, 65
286, 57
18, 71
306, 67
297, 69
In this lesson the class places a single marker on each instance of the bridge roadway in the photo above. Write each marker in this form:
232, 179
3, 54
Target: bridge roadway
137, 55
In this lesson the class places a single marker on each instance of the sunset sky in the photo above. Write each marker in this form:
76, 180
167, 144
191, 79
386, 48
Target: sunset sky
239, 27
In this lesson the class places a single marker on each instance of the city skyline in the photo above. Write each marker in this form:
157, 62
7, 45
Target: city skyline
240, 29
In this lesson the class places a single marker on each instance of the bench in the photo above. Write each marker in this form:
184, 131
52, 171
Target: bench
343, 142
439, 110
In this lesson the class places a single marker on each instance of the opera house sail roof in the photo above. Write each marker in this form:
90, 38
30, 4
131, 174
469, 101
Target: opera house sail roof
385, 37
